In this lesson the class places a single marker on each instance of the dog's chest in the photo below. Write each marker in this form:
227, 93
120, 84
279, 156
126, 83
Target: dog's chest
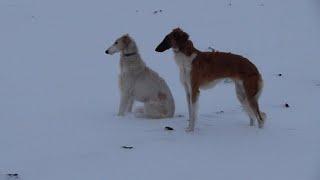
185, 65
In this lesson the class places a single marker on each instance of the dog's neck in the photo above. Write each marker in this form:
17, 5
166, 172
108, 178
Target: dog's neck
131, 63
186, 48
129, 54
130, 50
184, 55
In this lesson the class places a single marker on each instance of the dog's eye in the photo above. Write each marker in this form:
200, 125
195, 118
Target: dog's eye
116, 42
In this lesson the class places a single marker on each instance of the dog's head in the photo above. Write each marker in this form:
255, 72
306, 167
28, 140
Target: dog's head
175, 39
122, 44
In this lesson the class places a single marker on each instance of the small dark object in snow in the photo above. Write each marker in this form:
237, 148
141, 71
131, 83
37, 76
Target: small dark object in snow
157, 11
220, 112
279, 74
168, 128
127, 147
286, 105
13, 176
180, 115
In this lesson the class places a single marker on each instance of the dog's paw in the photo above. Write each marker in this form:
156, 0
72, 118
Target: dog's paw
189, 129
261, 126
252, 123
120, 114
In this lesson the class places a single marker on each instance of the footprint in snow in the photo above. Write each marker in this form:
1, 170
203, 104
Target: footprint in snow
316, 83
9, 176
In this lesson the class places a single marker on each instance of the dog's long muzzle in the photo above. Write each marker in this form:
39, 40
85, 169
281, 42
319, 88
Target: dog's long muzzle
159, 48
164, 45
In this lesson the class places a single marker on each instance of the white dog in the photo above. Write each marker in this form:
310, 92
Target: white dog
140, 83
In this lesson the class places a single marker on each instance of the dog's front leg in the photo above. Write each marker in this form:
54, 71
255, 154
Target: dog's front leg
193, 108
130, 104
188, 96
191, 121
124, 101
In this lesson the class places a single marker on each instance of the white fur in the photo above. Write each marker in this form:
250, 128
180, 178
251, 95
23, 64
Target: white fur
140, 83
113, 49
185, 65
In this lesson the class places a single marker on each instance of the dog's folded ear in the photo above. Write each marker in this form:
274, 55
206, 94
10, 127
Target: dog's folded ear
184, 37
179, 35
126, 40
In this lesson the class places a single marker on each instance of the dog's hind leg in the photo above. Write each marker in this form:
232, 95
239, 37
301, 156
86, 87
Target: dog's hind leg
253, 88
254, 106
155, 110
241, 95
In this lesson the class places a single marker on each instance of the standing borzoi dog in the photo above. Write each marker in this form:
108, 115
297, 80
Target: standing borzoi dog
140, 83
201, 70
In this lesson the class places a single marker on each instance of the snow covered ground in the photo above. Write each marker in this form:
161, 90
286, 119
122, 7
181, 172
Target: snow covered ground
59, 92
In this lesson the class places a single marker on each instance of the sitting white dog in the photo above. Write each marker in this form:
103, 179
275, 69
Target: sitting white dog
138, 82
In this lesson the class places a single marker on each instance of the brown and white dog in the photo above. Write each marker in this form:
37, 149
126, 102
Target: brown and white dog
202, 70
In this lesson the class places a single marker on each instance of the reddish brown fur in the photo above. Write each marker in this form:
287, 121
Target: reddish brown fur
210, 66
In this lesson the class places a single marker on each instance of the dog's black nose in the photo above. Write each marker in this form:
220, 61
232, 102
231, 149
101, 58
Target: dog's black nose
107, 52
158, 49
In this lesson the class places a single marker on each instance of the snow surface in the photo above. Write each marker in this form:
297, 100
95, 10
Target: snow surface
59, 92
